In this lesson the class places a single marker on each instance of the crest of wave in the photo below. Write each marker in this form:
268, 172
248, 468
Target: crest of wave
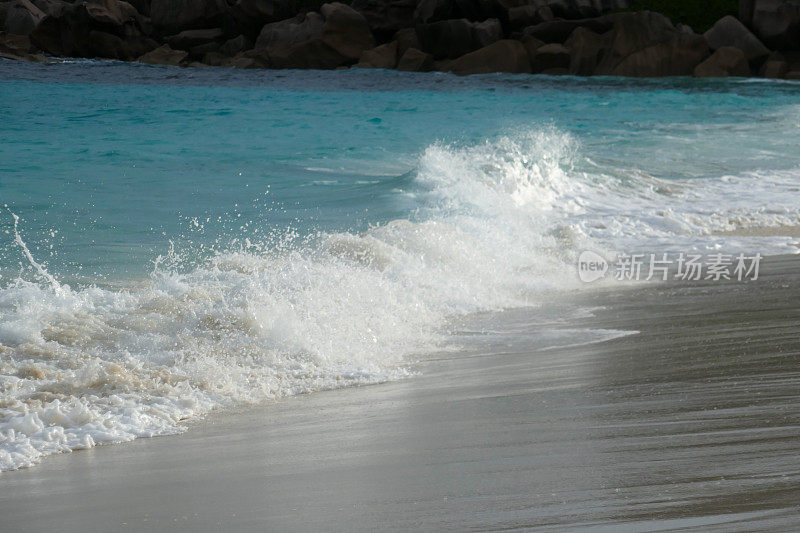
89, 366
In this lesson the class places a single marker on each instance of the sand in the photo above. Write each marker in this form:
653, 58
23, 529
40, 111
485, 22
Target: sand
692, 422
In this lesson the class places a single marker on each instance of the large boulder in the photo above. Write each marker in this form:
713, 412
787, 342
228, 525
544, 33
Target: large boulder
586, 50
558, 31
574, 9
386, 17
428, 11
728, 31
188, 39
501, 56
550, 58
406, 38
414, 60
95, 28
520, 17
777, 23
21, 17
726, 61
383, 56
252, 15
487, 32
346, 31
646, 44
111, 46
776, 66
164, 55
173, 16
65, 34
450, 39
337, 36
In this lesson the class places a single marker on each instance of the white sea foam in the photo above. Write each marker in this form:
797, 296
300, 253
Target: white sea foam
500, 225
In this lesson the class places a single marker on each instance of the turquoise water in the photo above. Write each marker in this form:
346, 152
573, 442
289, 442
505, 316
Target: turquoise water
191, 239
118, 159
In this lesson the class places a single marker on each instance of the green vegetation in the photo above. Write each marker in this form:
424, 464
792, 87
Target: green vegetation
700, 15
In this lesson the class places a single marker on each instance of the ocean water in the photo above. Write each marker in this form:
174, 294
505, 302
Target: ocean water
174, 241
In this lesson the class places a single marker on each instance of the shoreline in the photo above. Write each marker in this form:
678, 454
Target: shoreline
691, 422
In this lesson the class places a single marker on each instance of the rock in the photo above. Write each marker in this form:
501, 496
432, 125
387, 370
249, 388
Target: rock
586, 50
486, 32
252, 15
65, 34
163, 55
16, 44
386, 17
108, 45
231, 47
728, 31
141, 6
383, 56
575, 9
346, 31
172, 16
746, 12
406, 38
338, 36
215, 59
777, 23
450, 39
531, 44
726, 61
646, 44
104, 13
520, 17
429, 11
550, 56
191, 38
22, 17
501, 56
414, 60
776, 66
558, 31
447, 38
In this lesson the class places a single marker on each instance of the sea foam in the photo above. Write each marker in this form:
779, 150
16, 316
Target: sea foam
499, 224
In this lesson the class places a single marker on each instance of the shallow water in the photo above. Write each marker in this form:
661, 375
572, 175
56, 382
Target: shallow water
190, 239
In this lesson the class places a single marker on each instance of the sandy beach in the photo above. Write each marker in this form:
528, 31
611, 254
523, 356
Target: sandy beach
694, 421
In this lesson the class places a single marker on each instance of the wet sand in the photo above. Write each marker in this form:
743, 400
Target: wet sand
694, 422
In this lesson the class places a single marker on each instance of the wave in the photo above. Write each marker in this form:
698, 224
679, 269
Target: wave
499, 225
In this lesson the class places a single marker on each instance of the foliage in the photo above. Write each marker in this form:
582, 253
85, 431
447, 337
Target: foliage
699, 14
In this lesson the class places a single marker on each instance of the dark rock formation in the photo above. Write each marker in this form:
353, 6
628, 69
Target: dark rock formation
173, 16
776, 66
383, 56
586, 51
558, 31
251, 15
406, 38
337, 36
164, 55
450, 39
188, 39
21, 17
501, 56
777, 23
520, 17
726, 61
646, 44
414, 60
551, 58
386, 17
728, 31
